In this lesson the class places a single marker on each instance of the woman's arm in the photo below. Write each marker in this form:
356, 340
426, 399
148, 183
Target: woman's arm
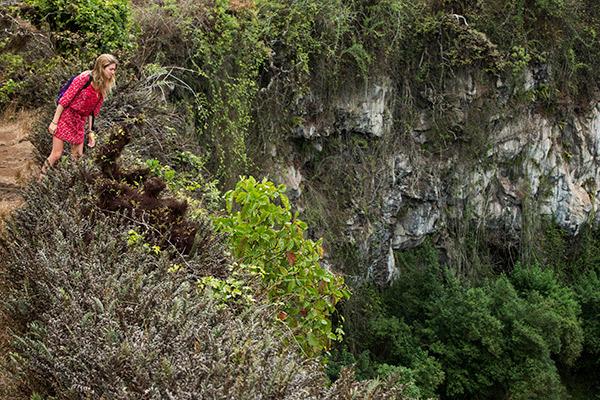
55, 119
91, 135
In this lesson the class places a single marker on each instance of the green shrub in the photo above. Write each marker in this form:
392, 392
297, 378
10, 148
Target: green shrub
587, 288
393, 341
511, 336
189, 180
29, 73
504, 336
96, 26
383, 327
553, 8
264, 234
8, 88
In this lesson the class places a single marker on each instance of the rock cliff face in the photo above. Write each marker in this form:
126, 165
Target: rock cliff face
525, 161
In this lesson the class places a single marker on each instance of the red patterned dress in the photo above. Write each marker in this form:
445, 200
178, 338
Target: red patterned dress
71, 125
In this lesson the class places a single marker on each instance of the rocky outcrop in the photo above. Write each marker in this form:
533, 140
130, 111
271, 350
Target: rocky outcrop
360, 110
523, 157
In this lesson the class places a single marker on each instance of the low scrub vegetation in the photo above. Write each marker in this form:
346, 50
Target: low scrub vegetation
101, 310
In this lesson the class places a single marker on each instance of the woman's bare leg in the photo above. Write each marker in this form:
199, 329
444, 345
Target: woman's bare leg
77, 150
57, 150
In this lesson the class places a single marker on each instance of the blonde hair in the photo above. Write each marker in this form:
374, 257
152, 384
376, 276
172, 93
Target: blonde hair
100, 82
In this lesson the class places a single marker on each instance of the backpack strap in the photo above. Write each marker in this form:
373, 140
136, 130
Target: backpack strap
89, 81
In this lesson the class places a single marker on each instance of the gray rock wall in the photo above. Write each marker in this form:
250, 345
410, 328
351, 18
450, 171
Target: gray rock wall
525, 156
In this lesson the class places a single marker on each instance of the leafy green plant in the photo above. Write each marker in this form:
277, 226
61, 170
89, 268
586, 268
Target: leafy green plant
360, 56
587, 288
188, 178
9, 62
553, 8
520, 59
7, 89
95, 25
30, 72
511, 336
228, 290
136, 239
263, 232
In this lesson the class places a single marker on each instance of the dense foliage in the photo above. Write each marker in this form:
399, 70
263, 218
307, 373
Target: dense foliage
257, 65
89, 26
524, 335
27, 64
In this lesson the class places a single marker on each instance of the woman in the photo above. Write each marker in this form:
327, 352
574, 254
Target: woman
83, 98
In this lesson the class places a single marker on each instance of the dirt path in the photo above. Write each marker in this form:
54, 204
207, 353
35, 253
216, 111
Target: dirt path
17, 167
17, 164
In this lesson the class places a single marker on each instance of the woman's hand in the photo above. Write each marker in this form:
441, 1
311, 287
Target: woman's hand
52, 127
91, 139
